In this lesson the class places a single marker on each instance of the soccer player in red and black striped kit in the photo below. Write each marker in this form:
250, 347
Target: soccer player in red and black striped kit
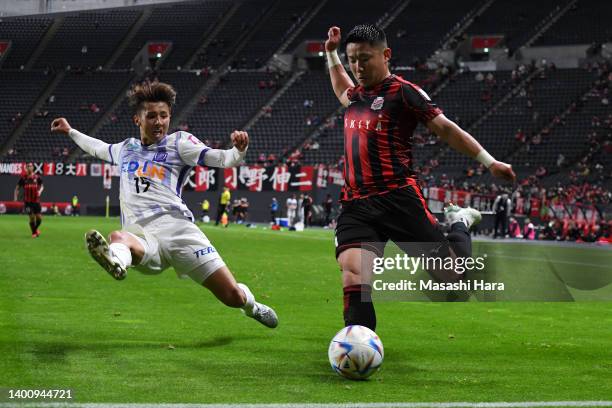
32, 186
381, 197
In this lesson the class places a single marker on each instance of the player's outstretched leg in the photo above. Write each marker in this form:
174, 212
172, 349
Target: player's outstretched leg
460, 221
223, 285
100, 251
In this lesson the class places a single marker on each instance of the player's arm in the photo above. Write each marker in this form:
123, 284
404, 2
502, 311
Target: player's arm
41, 187
341, 81
463, 142
95, 147
193, 151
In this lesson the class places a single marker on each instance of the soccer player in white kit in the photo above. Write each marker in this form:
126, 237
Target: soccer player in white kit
158, 229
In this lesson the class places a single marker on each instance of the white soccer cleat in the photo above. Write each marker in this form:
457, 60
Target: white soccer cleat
260, 312
264, 315
469, 216
99, 250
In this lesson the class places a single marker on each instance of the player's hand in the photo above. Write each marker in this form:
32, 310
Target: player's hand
333, 39
240, 139
503, 170
60, 125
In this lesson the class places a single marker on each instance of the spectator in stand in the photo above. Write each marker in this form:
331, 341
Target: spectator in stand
541, 172
529, 231
271, 160
520, 135
560, 160
514, 229
261, 159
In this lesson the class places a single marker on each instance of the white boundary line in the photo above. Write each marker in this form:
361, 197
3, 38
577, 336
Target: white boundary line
532, 404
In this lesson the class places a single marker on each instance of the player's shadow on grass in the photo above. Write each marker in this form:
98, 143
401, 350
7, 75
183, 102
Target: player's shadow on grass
58, 351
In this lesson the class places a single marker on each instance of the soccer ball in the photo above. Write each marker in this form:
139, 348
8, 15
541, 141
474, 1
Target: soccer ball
356, 352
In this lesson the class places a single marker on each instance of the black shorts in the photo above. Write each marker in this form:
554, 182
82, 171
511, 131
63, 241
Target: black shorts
400, 215
32, 208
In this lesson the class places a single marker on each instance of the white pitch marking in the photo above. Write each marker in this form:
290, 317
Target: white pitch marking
528, 404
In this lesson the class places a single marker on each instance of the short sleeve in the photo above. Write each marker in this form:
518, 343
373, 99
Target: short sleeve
417, 101
39, 181
191, 150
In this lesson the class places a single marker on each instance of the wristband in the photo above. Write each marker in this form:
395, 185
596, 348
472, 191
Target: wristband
332, 59
485, 158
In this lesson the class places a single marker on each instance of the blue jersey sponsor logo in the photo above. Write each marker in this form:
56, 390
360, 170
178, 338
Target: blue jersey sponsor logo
204, 251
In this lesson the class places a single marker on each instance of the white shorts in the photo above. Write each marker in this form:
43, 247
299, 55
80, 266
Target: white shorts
172, 241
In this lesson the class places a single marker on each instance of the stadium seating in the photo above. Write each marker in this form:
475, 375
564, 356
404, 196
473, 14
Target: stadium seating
342, 15
87, 39
243, 20
550, 94
417, 31
19, 90
25, 34
516, 23
82, 98
230, 105
289, 121
587, 22
184, 24
286, 17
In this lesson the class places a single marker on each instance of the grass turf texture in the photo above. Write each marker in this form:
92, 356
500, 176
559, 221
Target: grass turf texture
64, 323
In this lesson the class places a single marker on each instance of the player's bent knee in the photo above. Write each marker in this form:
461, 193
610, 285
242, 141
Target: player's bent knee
117, 236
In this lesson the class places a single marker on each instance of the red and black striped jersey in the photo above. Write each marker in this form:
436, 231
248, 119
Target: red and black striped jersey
378, 129
31, 185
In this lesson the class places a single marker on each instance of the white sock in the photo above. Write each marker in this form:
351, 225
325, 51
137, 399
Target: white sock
249, 305
121, 253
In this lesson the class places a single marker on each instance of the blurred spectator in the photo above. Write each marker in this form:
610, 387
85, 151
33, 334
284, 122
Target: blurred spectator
501, 207
529, 231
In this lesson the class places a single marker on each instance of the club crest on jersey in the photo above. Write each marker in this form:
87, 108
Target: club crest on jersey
378, 103
160, 157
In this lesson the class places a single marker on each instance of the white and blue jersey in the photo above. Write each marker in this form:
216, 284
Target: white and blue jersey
152, 177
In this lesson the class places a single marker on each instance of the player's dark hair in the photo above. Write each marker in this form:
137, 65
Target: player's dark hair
151, 92
369, 33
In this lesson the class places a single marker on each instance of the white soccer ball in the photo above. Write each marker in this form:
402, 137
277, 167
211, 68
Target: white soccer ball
356, 352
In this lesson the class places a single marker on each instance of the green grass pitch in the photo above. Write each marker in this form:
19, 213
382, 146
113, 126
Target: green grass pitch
64, 323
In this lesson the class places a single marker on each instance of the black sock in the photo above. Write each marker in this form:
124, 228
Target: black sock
38, 221
358, 306
33, 227
460, 240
